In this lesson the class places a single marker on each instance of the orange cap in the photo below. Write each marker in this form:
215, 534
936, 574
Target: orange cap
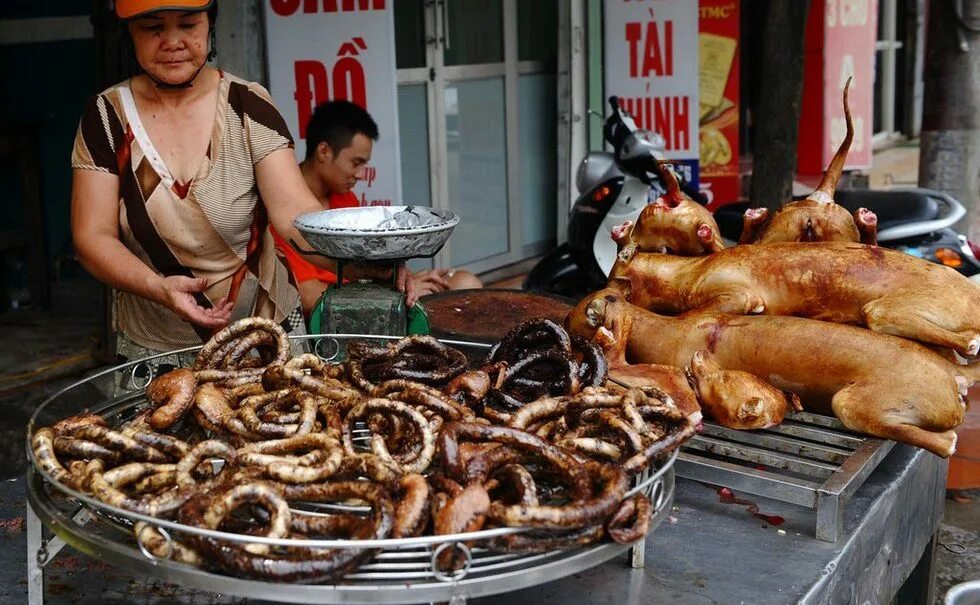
132, 9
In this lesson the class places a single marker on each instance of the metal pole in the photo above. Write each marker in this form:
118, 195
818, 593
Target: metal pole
35, 571
950, 149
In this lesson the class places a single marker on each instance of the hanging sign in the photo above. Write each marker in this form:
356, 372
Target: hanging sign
841, 37
324, 50
651, 64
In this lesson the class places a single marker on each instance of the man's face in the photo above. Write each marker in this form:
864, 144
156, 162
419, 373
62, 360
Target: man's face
341, 171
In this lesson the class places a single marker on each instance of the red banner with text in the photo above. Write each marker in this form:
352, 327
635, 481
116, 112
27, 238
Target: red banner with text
840, 44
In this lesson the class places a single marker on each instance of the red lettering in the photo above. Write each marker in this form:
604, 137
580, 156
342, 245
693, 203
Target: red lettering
378, 202
658, 58
670, 116
658, 53
348, 81
662, 121
311, 89
364, 5
651, 52
284, 8
633, 34
682, 135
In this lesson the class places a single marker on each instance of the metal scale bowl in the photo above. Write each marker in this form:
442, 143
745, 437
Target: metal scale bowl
379, 235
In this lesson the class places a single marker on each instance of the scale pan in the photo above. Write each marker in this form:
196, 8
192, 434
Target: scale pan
377, 233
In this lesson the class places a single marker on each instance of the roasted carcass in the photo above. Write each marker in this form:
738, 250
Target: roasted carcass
888, 291
874, 383
816, 218
673, 223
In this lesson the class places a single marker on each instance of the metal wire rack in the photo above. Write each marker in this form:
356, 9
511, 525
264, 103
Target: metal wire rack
402, 571
809, 460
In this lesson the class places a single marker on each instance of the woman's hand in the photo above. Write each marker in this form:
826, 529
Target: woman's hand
95, 232
177, 294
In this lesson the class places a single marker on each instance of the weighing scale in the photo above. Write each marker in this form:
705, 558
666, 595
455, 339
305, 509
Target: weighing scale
381, 236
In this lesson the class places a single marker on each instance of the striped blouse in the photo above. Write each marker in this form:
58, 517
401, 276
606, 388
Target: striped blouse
213, 226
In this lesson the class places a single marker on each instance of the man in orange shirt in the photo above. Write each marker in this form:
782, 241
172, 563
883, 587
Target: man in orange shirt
339, 140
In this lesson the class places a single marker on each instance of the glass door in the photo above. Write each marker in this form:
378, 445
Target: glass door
477, 108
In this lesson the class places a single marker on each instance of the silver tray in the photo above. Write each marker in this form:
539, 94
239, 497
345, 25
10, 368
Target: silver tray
358, 234
402, 572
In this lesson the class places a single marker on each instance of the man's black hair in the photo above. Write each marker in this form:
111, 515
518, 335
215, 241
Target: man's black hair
335, 123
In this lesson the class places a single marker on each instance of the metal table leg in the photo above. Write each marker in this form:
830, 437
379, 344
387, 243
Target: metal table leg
35, 554
41, 551
920, 587
638, 554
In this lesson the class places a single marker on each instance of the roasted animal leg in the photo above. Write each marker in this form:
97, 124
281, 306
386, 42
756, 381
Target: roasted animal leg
899, 420
917, 317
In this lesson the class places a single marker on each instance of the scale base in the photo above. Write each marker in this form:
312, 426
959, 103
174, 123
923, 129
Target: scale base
362, 308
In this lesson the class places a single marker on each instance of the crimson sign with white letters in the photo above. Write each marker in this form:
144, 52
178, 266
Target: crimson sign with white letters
324, 50
651, 64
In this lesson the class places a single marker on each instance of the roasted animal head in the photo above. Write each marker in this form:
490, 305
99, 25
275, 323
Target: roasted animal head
602, 309
737, 399
673, 223
816, 218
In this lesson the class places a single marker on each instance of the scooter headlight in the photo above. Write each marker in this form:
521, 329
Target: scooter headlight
949, 257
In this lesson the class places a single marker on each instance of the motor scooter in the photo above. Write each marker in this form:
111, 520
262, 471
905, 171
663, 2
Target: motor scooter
614, 187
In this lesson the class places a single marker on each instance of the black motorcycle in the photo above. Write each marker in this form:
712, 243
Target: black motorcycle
614, 187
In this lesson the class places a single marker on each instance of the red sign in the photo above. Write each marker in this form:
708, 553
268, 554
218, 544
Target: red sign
346, 82
285, 8
840, 43
718, 75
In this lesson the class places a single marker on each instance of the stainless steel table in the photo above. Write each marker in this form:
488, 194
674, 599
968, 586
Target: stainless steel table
713, 552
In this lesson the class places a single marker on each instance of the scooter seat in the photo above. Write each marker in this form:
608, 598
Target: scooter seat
893, 207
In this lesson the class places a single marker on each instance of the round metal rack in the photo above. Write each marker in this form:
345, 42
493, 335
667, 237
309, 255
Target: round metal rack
401, 571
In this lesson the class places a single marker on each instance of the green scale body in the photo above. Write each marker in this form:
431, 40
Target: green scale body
366, 308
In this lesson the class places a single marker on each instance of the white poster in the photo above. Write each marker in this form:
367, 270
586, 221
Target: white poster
651, 64
323, 50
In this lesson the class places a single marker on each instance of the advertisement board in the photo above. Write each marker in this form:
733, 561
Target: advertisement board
718, 71
338, 49
651, 64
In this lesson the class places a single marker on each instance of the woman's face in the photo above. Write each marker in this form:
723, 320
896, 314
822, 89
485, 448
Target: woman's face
171, 45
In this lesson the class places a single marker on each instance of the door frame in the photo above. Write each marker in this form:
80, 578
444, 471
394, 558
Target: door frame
435, 76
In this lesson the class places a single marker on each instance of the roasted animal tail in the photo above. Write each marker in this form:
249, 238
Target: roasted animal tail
674, 195
825, 191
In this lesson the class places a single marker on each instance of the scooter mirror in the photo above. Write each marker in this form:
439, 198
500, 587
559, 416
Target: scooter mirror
619, 125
